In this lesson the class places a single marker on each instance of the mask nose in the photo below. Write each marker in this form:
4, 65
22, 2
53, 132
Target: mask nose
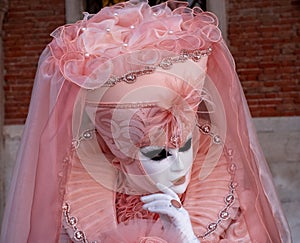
177, 163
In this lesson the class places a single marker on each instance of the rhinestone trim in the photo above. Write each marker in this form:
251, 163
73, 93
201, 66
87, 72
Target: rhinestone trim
86, 135
127, 105
205, 129
223, 214
129, 77
166, 64
229, 199
78, 234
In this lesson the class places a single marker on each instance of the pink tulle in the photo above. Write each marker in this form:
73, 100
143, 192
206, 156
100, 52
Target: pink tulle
57, 164
87, 44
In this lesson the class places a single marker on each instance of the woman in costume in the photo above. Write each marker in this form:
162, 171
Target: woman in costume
139, 131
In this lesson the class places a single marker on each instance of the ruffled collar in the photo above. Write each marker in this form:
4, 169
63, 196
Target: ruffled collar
95, 206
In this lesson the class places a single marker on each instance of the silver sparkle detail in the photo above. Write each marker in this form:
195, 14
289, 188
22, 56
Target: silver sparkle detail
166, 63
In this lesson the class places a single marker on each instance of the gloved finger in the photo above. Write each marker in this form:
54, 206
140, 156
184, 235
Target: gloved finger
157, 205
162, 210
156, 196
163, 207
167, 190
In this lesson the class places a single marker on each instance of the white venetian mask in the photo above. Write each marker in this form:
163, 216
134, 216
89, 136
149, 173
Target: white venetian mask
170, 167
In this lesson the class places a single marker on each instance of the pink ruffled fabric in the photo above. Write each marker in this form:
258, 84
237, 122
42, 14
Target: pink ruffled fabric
85, 49
141, 231
129, 207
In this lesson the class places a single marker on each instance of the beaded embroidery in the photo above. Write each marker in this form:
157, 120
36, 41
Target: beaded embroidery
223, 214
127, 105
165, 64
229, 198
78, 235
86, 135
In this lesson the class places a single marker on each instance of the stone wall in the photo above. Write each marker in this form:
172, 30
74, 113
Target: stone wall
12, 136
3, 9
279, 138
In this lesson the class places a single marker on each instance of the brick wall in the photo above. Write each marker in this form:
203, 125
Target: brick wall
26, 29
264, 38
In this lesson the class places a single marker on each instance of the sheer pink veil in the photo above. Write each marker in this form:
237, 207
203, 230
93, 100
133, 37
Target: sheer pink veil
81, 58
37, 178
257, 194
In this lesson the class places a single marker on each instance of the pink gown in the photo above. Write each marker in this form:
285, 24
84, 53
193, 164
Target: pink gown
54, 197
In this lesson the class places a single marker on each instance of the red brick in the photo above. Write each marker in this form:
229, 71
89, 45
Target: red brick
270, 43
264, 39
26, 31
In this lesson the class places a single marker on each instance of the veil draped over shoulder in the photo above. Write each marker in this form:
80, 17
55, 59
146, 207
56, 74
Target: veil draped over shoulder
230, 197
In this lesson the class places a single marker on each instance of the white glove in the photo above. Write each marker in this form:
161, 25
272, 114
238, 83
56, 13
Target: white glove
171, 212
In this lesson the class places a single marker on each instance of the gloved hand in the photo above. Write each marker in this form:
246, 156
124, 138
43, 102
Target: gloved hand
167, 205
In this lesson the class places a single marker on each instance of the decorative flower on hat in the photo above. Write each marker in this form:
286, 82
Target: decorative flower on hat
84, 49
